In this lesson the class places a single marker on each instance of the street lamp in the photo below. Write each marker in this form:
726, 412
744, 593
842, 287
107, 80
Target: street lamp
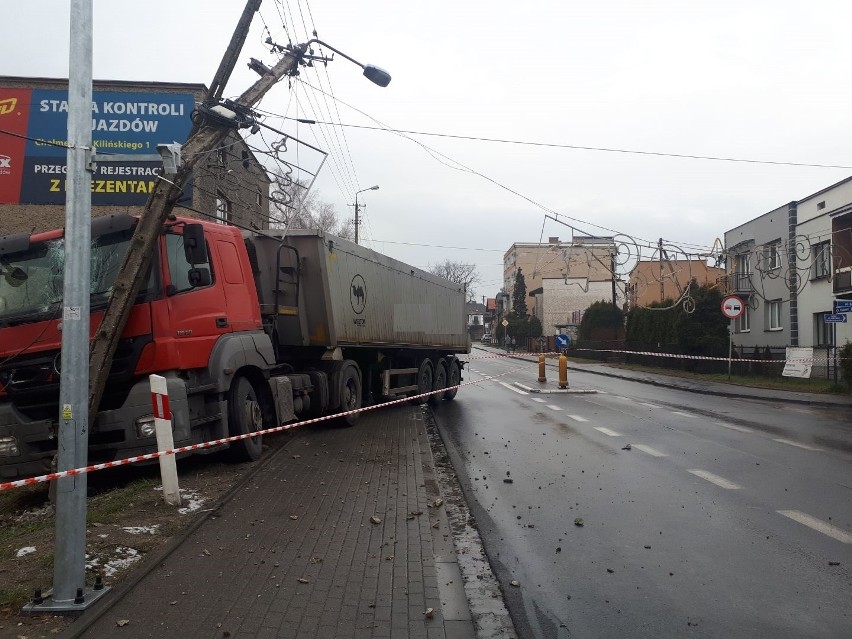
374, 74
357, 209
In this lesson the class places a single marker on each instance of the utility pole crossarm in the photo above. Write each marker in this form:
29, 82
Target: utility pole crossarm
201, 141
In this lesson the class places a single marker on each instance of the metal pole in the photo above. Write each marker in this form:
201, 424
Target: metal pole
730, 345
69, 569
356, 218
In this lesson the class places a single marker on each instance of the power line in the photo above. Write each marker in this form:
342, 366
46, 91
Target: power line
578, 147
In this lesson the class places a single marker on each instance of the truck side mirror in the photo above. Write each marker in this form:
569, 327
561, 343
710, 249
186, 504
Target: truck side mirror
194, 246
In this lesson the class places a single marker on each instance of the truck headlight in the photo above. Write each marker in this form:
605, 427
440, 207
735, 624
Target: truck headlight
145, 426
9, 447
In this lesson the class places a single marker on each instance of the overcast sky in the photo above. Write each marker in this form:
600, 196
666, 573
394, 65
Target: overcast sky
753, 79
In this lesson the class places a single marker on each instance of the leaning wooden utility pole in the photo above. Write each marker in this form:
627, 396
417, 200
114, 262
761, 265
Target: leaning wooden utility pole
205, 137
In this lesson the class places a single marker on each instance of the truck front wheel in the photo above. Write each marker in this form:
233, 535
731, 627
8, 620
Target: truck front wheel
245, 415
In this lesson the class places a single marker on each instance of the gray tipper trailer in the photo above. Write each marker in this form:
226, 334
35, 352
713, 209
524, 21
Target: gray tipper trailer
351, 327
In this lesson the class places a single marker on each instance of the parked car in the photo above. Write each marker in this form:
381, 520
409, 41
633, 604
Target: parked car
486, 339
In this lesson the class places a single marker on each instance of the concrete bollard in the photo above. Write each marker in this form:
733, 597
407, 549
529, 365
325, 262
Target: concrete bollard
541, 366
563, 371
165, 439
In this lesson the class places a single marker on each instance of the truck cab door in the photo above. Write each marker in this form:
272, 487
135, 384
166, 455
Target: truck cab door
197, 309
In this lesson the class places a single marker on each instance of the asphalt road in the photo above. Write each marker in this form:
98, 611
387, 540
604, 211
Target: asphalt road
725, 518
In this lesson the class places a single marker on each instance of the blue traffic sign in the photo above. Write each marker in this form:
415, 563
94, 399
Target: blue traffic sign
562, 341
843, 306
837, 318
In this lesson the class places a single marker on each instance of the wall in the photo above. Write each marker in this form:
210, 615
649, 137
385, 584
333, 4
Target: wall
764, 283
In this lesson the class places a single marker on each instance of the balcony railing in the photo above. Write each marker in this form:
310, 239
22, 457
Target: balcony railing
736, 283
843, 280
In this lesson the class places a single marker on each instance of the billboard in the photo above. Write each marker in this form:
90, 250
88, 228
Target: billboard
34, 130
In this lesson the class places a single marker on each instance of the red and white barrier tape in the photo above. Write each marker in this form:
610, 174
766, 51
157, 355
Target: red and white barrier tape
226, 440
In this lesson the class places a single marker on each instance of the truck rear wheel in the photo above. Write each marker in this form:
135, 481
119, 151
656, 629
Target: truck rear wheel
425, 380
245, 415
440, 382
453, 379
350, 397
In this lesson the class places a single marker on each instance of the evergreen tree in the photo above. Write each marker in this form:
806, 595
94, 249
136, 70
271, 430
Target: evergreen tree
519, 296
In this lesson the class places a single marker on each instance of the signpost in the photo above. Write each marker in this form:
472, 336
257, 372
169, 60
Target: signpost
837, 318
843, 306
562, 341
732, 308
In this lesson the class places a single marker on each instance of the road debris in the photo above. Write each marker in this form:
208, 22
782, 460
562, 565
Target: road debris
579, 521
375, 520
626, 447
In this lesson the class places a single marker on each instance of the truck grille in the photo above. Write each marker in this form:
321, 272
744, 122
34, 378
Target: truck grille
31, 381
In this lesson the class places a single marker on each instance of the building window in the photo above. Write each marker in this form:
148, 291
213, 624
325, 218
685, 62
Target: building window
223, 209
773, 315
772, 256
821, 255
743, 323
820, 205
823, 331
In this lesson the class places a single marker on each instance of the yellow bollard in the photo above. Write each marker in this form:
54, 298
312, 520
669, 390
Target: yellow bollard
563, 371
541, 376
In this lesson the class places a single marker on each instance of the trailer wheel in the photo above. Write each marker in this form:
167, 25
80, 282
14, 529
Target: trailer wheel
440, 382
245, 415
425, 380
350, 397
453, 379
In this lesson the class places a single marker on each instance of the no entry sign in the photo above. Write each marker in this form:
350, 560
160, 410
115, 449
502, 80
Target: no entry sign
732, 306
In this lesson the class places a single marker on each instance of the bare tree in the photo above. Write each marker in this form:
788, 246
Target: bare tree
465, 274
294, 207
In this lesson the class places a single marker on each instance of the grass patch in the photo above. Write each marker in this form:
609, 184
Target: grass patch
110, 507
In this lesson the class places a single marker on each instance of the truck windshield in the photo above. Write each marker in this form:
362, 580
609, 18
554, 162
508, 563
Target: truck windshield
31, 281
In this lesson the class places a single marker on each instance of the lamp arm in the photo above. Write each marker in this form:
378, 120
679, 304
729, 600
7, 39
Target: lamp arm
337, 51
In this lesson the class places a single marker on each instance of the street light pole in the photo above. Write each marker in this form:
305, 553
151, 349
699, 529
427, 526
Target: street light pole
358, 209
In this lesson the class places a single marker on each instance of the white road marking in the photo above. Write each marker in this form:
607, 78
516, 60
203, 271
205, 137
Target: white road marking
538, 399
578, 418
796, 444
607, 431
513, 389
740, 429
552, 407
674, 412
627, 399
734, 427
817, 524
651, 451
715, 479
648, 405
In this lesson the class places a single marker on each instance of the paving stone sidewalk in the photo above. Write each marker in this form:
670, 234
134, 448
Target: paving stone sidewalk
294, 553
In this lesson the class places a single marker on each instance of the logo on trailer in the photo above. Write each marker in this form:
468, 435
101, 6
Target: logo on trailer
358, 294
5, 164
